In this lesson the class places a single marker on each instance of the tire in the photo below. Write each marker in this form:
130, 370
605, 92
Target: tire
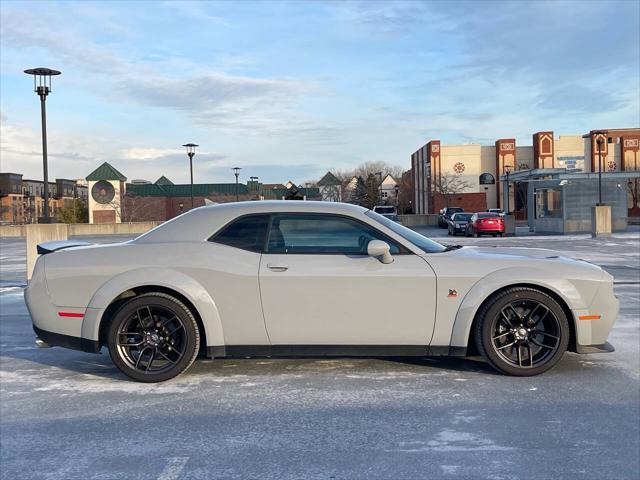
158, 327
544, 341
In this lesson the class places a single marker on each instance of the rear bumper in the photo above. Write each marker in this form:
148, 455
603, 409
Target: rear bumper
67, 341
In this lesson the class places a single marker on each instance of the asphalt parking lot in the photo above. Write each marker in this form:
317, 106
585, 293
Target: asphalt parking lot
71, 415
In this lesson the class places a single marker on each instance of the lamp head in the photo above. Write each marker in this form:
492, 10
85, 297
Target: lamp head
42, 79
191, 148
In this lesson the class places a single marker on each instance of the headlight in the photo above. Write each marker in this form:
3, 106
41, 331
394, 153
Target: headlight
459, 225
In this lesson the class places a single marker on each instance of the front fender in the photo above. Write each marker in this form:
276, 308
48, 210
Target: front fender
505, 278
181, 283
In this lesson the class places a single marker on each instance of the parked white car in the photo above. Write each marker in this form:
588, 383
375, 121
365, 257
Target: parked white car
289, 278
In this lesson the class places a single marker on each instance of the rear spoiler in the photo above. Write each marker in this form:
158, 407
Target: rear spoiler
54, 246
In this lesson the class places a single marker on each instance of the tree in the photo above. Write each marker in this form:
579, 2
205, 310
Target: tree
74, 212
405, 193
450, 184
363, 170
359, 192
371, 191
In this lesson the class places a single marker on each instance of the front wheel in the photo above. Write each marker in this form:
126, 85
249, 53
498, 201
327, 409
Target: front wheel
153, 337
522, 332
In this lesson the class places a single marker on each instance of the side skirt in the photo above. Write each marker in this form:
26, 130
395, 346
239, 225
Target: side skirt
240, 351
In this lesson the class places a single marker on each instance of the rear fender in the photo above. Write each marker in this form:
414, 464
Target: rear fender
505, 278
179, 282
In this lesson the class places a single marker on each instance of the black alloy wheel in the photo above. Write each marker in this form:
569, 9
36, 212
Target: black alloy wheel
522, 332
153, 337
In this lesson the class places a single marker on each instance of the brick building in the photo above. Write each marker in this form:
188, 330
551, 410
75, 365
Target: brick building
113, 200
21, 200
481, 166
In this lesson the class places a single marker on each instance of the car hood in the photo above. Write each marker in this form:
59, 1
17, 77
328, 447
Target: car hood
535, 257
500, 252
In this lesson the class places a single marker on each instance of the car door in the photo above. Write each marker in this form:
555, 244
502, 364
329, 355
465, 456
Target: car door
319, 287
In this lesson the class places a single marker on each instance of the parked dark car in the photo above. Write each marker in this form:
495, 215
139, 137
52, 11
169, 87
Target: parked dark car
485, 223
499, 211
458, 223
388, 211
445, 214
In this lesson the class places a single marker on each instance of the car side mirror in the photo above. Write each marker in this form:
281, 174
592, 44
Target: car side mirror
380, 250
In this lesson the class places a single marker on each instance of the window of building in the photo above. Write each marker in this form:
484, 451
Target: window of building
487, 179
385, 194
246, 233
549, 203
322, 234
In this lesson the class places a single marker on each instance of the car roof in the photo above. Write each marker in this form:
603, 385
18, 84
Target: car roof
201, 222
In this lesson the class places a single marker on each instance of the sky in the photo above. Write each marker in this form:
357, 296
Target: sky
289, 90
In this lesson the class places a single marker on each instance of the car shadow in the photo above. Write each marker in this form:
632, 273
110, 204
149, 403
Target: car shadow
459, 364
100, 365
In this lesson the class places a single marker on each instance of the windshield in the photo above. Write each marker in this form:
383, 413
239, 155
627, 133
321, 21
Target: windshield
385, 210
420, 241
462, 217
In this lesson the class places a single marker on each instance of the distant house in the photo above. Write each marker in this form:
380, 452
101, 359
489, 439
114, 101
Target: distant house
330, 188
388, 192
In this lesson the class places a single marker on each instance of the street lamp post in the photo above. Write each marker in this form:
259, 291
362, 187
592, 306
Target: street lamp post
236, 172
599, 142
507, 169
191, 151
42, 86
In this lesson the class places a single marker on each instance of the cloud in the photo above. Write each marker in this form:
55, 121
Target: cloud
52, 32
207, 93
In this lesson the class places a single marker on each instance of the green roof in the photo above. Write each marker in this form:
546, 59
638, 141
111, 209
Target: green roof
329, 180
184, 190
106, 172
163, 181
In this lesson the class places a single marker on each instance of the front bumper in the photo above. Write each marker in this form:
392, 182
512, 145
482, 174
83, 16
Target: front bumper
604, 348
594, 324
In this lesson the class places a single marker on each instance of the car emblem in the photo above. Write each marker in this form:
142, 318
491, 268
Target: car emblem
452, 293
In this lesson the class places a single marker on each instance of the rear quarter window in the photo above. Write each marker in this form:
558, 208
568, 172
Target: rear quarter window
246, 233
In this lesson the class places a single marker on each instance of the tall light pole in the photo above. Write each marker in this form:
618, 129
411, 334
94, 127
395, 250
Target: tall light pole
599, 143
507, 169
191, 151
42, 86
236, 172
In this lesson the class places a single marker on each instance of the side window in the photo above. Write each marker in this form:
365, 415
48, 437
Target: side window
322, 234
247, 233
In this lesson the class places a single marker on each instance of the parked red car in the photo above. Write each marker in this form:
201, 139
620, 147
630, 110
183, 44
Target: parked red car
485, 223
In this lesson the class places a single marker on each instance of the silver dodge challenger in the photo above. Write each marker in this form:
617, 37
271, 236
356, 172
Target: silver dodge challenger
286, 278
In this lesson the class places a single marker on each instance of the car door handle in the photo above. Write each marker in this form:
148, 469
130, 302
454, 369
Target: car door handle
277, 268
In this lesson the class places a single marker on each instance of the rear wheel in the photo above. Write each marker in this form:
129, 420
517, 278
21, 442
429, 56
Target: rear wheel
153, 337
522, 332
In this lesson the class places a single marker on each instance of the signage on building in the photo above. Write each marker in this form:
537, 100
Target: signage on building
571, 162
